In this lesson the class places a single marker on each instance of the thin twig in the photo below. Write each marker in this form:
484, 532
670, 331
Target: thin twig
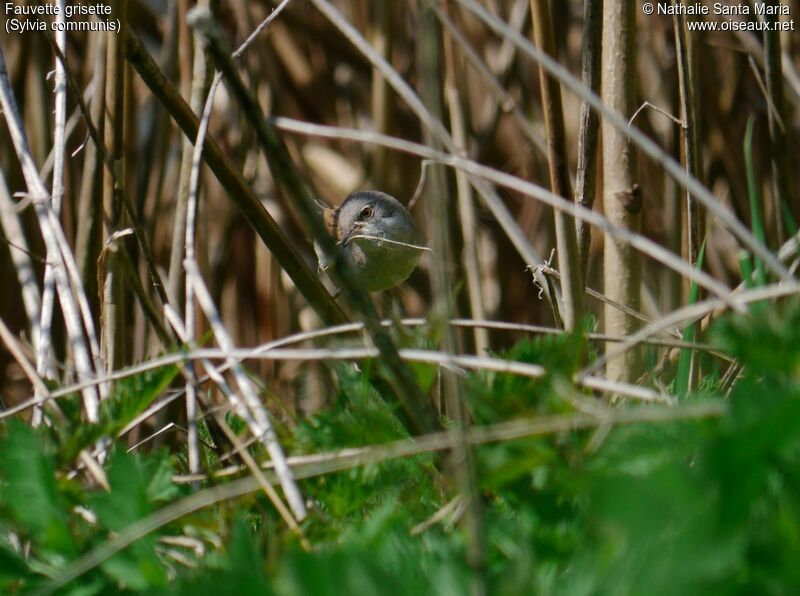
322, 333
569, 259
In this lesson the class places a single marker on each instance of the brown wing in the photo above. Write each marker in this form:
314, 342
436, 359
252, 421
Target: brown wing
330, 216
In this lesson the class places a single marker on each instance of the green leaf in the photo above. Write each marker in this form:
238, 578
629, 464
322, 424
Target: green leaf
31, 492
752, 191
128, 501
131, 396
685, 362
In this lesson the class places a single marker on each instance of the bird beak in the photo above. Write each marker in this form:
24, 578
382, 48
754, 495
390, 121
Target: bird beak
354, 231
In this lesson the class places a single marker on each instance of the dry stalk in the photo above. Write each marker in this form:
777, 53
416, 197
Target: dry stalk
57, 249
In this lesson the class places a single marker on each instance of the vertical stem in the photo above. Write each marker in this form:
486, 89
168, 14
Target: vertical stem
590, 123
183, 239
469, 223
381, 94
781, 150
201, 80
44, 365
691, 151
37, 98
87, 238
113, 325
621, 195
673, 225
193, 189
437, 203
566, 235
11, 226
690, 141
466, 200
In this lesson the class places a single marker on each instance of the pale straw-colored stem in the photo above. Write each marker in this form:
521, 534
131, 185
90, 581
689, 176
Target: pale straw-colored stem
55, 253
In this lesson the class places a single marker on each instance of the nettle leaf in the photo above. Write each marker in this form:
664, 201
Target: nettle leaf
767, 341
376, 556
129, 500
158, 472
500, 396
131, 396
31, 492
360, 416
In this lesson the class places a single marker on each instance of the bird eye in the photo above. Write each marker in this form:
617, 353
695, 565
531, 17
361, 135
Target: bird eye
366, 213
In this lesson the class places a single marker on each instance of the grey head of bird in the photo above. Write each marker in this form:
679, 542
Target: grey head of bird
378, 236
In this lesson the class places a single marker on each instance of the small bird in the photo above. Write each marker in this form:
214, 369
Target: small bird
379, 237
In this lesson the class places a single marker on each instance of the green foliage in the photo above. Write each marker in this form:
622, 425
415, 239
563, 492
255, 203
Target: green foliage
494, 397
130, 397
689, 334
361, 416
31, 494
708, 506
757, 221
137, 484
683, 506
376, 556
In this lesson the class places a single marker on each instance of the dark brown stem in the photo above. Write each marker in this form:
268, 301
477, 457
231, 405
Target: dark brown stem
780, 154
691, 150
690, 142
112, 309
381, 92
590, 123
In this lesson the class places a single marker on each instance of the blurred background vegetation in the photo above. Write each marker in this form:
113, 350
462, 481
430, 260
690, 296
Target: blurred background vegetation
672, 470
